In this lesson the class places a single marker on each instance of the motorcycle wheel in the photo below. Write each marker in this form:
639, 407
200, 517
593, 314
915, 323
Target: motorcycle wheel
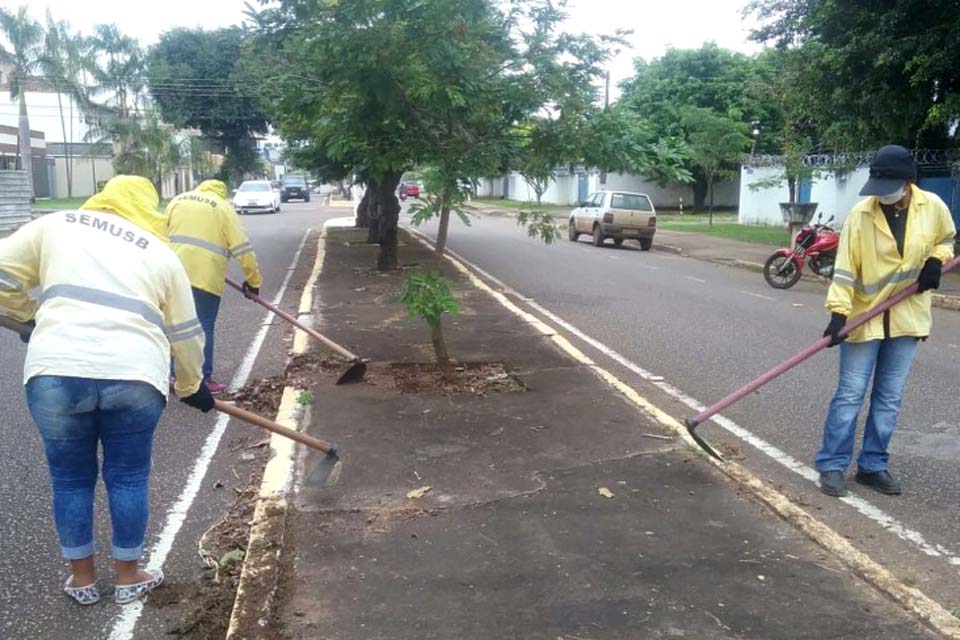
781, 272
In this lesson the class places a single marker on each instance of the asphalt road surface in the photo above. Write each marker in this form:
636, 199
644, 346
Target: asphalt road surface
707, 329
31, 572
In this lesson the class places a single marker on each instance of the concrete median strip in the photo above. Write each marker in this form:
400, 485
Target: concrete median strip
259, 578
919, 605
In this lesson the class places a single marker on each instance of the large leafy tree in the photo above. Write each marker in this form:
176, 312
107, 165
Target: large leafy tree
22, 53
884, 72
723, 81
196, 81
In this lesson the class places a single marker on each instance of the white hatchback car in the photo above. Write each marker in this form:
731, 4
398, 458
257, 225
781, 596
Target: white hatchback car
256, 196
620, 215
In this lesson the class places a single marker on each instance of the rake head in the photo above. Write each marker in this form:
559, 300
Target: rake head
355, 373
327, 472
692, 425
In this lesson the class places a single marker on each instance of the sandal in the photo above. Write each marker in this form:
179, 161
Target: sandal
84, 595
125, 594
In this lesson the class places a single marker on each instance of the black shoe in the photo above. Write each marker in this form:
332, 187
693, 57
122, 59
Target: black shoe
880, 481
833, 484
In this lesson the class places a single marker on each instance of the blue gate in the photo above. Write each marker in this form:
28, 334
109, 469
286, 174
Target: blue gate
582, 187
948, 189
804, 191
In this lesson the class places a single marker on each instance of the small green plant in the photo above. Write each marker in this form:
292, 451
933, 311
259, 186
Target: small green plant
305, 398
428, 296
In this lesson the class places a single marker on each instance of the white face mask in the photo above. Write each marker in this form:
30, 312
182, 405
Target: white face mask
893, 198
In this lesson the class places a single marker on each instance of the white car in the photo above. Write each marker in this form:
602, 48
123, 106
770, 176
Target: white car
620, 215
256, 196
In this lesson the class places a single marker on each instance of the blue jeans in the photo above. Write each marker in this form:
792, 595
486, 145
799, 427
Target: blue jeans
73, 416
208, 308
888, 362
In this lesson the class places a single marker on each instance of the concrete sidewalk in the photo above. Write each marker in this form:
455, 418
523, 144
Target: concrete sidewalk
533, 501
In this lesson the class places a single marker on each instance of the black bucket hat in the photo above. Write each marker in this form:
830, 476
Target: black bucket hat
891, 166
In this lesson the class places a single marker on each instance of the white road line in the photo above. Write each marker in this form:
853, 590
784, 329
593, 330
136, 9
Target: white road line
759, 295
863, 506
696, 279
176, 515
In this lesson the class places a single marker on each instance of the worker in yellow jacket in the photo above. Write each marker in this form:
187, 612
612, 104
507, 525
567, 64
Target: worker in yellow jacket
205, 232
114, 303
898, 235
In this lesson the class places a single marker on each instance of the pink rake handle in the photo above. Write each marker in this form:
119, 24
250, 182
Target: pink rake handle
807, 353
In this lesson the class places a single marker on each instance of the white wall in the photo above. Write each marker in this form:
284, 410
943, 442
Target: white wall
725, 194
83, 183
835, 194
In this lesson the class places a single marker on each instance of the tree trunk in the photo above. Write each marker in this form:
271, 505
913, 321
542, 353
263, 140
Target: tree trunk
373, 213
363, 213
26, 151
792, 190
710, 188
69, 150
444, 222
699, 192
439, 345
66, 146
388, 214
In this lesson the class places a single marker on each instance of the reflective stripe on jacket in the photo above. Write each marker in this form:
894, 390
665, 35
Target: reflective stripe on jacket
114, 302
869, 268
205, 232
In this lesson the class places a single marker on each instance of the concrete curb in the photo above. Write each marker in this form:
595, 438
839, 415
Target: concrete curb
942, 301
915, 602
259, 577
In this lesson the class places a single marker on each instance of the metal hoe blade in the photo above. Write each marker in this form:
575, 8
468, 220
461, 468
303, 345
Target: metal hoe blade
703, 444
355, 373
327, 471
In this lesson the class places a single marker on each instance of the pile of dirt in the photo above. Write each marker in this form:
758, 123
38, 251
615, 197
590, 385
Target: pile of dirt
477, 379
221, 549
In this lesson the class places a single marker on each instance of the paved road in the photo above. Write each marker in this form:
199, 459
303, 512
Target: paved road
31, 605
707, 329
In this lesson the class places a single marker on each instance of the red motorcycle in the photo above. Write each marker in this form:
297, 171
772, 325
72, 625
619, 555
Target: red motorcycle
816, 244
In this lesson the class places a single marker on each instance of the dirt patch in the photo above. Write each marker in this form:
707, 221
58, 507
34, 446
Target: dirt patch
477, 379
222, 550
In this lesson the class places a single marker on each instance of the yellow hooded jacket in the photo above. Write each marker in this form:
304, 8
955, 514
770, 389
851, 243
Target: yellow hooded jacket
205, 232
869, 268
114, 300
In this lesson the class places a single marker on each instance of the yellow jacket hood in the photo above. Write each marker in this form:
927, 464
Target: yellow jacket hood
133, 198
216, 187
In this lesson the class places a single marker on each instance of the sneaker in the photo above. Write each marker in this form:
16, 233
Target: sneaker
833, 484
880, 481
216, 388
132, 592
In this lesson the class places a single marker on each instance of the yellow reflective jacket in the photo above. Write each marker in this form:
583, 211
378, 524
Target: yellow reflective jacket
869, 268
114, 300
205, 232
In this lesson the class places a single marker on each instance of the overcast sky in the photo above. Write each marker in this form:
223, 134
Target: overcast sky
657, 24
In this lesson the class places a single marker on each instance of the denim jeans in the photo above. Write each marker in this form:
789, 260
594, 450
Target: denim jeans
208, 308
73, 415
888, 362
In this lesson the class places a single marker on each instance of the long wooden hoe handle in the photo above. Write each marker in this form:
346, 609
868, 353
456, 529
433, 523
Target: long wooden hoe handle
270, 425
299, 325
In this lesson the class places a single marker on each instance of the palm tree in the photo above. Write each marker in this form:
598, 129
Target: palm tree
22, 56
62, 64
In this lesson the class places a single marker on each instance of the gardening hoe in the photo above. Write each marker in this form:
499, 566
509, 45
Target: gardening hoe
790, 363
356, 371
327, 472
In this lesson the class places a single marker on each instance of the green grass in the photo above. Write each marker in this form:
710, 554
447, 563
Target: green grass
59, 203
730, 230
521, 204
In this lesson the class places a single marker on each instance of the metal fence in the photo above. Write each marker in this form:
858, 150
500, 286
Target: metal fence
14, 199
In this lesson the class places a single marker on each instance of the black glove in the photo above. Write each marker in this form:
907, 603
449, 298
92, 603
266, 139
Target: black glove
201, 400
25, 337
837, 320
929, 275
250, 290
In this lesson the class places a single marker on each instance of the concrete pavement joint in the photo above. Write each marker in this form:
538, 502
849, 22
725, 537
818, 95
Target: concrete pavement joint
260, 574
125, 624
913, 600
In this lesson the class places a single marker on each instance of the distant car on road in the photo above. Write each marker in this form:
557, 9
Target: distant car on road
294, 186
410, 190
256, 196
620, 215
